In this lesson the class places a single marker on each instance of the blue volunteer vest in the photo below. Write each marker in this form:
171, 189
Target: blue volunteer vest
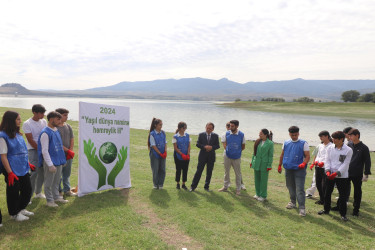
159, 141
234, 145
55, 147
293, 154
182, 144
17, 154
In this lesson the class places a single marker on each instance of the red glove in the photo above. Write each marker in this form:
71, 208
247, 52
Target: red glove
332, 176
315, 163
302, 165
251, 164
312, 165
32, 167
268, 169
11, 178
320, 164
184, 157
69, 154
328, 174
163, 155
187, 157
279, 169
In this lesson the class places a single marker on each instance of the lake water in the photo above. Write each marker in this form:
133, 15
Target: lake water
196, 114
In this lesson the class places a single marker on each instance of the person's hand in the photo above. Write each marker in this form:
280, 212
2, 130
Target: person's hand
52, 169
163, 155
11, 178
333, 176
321, 164
312, 165
184, 157
279, 169
69, 154
328, 174
251, 164
268, 169
188, 157
32, 167
365, 178
302, 165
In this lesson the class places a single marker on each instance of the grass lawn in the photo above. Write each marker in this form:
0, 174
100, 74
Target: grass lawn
340, 109
144, 218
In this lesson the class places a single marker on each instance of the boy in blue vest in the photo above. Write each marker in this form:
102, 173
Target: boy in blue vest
233, 143
52, 158
294, 157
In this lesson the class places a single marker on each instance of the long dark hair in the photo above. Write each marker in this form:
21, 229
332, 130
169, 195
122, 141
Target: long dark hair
8, 123
180, 126
257, 142
325, 133
154, 122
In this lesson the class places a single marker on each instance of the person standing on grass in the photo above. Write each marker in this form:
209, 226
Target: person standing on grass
32, 128
66, 133
311, 190
15, 166
294, 157
262, 163
157, 144
234, 143
52, 158
336, 163
181, 143
207, 142
360, 164
318, 162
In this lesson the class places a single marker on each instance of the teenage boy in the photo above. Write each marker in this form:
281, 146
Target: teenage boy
233, 143
294, 157
360, 161
32, 128
52, 158
67, 137
336, 166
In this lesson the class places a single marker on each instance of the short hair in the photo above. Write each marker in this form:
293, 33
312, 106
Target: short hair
338, 135
324, 133
347, 129
53, 114
235, 122
210, 123
355, 131
38, 108
62, 111
293, 129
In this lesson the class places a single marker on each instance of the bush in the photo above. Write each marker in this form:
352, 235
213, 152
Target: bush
273, 99
350, 96
303, 99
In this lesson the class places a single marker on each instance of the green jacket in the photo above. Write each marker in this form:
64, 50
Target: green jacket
264, 157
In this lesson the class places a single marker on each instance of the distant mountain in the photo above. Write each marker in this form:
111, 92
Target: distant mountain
14, 88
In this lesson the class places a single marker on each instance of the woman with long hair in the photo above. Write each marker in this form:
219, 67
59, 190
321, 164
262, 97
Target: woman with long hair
15, 166
157, 144
181, 143
262, 163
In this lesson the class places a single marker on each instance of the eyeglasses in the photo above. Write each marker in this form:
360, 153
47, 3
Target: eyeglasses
228, 125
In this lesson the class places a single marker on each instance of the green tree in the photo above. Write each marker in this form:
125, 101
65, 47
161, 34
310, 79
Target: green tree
303, 99
350, 96
369, 97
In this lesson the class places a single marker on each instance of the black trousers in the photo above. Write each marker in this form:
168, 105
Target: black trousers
342, 187
19, 194
320, 179
1, 217
357, 185
198, 174
181, 165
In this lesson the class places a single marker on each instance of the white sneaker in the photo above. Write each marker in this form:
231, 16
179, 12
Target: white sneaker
61, 200
20, 217
302, 212
261, 199
52, 204
26, 213
160, 187
40, 195
243, 187
256, 197
1, 225
290, 205
30, 203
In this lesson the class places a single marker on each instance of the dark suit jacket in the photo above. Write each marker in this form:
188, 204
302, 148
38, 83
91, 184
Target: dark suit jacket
205, 156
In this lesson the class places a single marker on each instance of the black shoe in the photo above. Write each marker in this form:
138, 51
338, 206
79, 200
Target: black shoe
323, 212
184, 187
309, 196
319, 202
191, 189
355, 213
178, 186
207, 189
343, 218
335, 208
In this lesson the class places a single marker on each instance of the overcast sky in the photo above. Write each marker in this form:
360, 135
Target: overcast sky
82, 44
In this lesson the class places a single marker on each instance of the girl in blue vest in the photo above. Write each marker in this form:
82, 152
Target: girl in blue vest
15, 166
181, 144
157, 144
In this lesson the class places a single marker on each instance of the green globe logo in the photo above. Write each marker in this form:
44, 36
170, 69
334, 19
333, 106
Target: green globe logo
108, 152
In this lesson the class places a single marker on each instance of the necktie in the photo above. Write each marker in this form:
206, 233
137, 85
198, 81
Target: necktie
208, 138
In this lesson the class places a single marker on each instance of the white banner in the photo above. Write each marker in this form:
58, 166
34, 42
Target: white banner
103, 147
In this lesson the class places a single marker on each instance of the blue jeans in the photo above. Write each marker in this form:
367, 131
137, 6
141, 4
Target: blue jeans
158, 170
65, 176
295, 182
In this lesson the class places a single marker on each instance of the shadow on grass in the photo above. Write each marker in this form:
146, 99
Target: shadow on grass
189, 197
216, 199
160, 197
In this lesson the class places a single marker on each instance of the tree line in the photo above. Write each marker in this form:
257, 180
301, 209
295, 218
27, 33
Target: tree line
355, 96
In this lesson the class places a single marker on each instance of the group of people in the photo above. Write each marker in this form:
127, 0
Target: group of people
45, 160
336, 163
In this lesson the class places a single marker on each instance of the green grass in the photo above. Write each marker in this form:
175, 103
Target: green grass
340, 109
169, 218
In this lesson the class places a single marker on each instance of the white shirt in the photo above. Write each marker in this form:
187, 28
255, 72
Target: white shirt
322, 151
44, 141
178, 134
3, 146
338, 160
33, 127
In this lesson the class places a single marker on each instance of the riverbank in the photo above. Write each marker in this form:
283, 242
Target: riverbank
339, 109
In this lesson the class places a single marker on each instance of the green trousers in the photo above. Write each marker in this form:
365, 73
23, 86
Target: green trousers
261, 181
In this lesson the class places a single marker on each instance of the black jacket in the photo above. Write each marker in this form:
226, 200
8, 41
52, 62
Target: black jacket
360, 159
205, 156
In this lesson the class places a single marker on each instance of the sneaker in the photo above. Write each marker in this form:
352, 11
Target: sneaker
223, 189
52, 204
1, 225
302, 212
355, 213
191, 189
184, 187
308, 196
30, 202
238, 192
261, 199
319, 202
155, 187
160, 187
256, 197
61, 200
343, 218
243, 187
26, 213
178, 186
70, 193
40, 195
20, 217
321, 212
290, 205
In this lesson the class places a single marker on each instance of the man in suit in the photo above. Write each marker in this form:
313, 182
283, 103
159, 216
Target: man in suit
208, 142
